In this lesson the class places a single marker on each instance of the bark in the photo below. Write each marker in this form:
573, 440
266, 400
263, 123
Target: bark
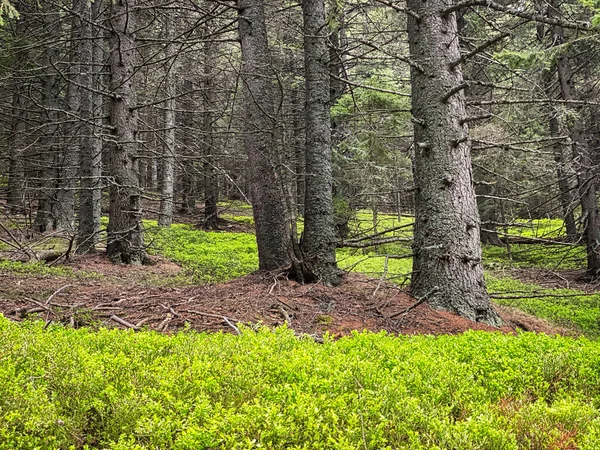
211, 180
584, 165
189, 193
125, 237
447, 267
48, 159
260, 139
165, 216
90, 193
563, 164
70, 153
16, 169
319, 240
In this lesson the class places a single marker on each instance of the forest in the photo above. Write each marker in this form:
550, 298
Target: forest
314, 224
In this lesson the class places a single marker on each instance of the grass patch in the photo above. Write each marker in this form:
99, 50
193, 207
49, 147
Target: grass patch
40, 269
553, 257
111, 389
207, 257
569, 309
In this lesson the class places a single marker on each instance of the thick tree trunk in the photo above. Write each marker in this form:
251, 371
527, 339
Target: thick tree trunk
319, 240
211, 180
260, 139
125, 237
90, 194
165, 216
447, 267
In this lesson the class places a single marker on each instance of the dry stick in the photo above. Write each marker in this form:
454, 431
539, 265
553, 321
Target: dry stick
284, 313
226, 319
383, 275
142, 322
163, 325
417, 303
123, 322
56, 292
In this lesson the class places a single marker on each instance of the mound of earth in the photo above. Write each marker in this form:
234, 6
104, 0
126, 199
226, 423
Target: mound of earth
127, 296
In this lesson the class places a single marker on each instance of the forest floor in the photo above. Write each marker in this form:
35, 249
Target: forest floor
100, 293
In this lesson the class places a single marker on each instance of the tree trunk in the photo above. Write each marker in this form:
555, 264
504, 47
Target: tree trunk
582, 159
16, 168
90, 194
189, 193
447, 266
165, 216
125, 237
71, 149
48, 150
319, 240
260, 140
211, 180
563, 165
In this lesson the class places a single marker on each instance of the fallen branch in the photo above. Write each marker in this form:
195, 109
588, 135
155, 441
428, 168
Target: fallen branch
123, 322
228, 320
414, 305
56, 292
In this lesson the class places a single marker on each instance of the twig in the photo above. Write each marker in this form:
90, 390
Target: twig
56, 292
385, 270
123, 322
226, 319
414, 305
163, 325
284, 313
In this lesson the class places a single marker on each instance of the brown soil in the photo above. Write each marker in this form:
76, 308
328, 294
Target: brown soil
124, 296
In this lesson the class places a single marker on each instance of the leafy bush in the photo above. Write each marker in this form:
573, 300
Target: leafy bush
112, 389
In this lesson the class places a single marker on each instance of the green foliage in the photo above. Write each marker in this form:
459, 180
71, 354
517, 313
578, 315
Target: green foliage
7, 11
581, 312
541, 256
206, 256
39, 268
112, 389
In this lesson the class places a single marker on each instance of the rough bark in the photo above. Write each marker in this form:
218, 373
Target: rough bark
69, 163
210, 178
125, 237
90, 193
189, 192
563, 163
260, 139
165, 216
48, 150
318, 241
16, 168
447, 252
582, 159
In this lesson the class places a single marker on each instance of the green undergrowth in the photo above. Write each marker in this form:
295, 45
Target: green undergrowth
205, 256
539, 228
111, 389
568, 307
41, 269
544, 256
